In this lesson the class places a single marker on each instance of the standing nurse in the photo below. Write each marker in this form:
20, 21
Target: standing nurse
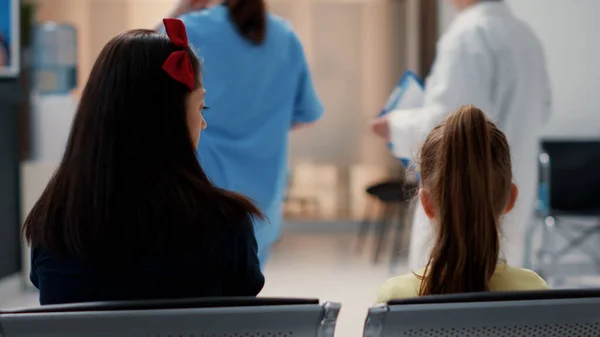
259, 88
493, 60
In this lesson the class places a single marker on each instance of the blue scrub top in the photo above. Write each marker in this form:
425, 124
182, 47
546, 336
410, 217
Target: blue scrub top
255, 94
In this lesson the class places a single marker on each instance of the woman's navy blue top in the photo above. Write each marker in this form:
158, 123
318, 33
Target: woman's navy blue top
229, 268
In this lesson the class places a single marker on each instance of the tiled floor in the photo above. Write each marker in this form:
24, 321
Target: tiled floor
327, 267
307, 265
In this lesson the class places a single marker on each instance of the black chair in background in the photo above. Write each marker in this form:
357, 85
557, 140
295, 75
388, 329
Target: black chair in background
389, 201
568, 210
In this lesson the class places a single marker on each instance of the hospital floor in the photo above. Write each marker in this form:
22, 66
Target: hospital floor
318, 265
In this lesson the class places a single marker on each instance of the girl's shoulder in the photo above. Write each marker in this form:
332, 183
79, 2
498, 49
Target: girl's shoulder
507, 278
400, 287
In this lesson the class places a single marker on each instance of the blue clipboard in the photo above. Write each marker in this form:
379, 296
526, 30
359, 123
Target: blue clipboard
408, 81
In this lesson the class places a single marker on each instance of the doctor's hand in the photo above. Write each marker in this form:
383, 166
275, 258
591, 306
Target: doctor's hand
381, 127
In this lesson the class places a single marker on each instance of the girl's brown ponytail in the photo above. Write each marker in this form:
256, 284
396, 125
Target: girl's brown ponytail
466, 170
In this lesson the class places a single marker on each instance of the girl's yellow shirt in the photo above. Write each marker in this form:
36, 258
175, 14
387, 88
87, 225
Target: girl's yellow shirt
505, 278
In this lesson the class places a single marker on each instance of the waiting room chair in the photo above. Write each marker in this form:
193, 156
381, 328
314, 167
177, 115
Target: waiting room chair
389, 200
217, 317
560, 313
568, 211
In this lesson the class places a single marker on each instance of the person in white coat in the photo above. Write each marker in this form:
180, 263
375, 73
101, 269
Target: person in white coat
493, 60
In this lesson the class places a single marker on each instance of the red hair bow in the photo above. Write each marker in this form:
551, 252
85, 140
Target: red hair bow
178, 65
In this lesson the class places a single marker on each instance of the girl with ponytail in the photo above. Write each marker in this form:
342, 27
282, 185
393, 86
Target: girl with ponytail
259, 87
466, 188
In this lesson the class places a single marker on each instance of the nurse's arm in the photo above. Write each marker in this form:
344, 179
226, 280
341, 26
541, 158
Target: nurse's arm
307, 106
462, 74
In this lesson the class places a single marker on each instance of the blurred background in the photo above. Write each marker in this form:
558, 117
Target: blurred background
357, 50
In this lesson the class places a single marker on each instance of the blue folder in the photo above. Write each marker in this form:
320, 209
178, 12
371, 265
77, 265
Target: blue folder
395, 100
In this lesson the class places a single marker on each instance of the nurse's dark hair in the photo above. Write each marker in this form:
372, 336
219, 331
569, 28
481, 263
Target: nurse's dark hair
250, 19
129, 183
466, 170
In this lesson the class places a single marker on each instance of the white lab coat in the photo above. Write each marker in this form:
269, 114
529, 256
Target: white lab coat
490, 59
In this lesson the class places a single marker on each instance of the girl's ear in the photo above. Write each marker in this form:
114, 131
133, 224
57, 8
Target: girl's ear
427, 203
512, 200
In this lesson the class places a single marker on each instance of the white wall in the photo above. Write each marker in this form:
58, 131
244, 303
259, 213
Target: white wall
568, 30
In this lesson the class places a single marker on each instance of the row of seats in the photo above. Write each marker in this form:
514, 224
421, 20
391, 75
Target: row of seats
541, 313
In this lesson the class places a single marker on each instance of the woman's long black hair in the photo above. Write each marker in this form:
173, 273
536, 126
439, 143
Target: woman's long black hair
129, 183
249, 18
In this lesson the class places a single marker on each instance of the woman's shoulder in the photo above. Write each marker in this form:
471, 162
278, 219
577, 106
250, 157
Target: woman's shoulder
43, 260
509, 278
280, 23
233, 236
399, 287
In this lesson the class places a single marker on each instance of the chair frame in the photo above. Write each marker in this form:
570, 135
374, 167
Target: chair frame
201, 317
478, 314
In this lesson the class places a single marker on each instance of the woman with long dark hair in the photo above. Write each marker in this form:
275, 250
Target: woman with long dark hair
260, 88
466, 189
130, 214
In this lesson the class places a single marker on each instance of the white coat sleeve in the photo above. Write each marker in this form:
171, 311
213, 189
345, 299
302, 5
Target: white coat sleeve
462, 74
548, 99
